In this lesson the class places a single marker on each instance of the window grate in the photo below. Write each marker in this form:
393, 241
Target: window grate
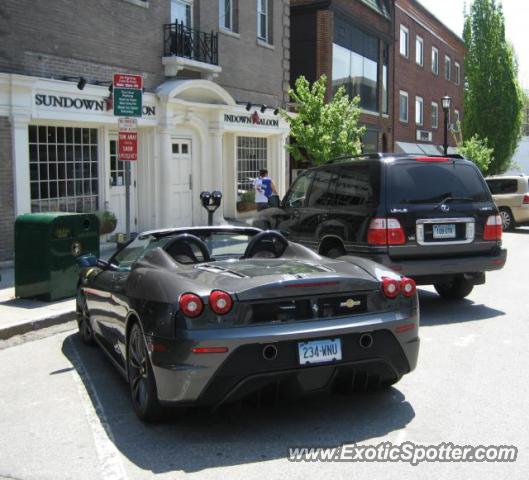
63, 163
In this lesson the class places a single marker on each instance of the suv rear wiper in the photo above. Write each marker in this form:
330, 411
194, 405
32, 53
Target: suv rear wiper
453, 199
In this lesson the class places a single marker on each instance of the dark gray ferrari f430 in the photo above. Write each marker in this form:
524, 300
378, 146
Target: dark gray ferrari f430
206, 315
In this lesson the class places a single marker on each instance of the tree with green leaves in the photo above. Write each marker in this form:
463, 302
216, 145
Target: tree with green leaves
323, 130
493, 97
474, 148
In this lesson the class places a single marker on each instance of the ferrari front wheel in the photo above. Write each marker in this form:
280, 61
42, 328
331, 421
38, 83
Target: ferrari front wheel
141, 378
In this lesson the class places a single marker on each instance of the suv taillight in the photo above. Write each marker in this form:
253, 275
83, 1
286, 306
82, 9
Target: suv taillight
526, 199
493, 228
385, 231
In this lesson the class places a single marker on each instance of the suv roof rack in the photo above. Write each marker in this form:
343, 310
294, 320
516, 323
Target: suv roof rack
380, 155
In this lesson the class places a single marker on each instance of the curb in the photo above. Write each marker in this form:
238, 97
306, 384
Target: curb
8, 332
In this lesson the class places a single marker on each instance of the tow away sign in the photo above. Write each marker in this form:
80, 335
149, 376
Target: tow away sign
128, 139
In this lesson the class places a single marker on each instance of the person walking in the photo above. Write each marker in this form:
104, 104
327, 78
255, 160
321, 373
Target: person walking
264, 189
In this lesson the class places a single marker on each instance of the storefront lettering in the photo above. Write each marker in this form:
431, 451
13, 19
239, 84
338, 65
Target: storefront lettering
81, 104
247, 119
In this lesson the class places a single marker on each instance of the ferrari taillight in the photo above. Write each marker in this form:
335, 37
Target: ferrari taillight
391, 287
220, 302
493, 228
385, 231
408, 286
191, 305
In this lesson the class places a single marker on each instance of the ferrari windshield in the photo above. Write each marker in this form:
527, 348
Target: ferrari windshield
220, 244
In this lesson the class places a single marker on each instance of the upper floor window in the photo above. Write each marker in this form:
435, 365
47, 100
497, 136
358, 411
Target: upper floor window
403, 106
435, 61
457, 119
435, 115
419, 51
262, 20
181, 12
458, 73
448, 67
419, 103
226, 14
404, 41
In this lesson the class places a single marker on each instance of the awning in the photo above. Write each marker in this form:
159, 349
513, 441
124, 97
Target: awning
404, 147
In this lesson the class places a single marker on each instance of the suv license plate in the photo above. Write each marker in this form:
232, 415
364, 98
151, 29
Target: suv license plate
320, 351
444, 231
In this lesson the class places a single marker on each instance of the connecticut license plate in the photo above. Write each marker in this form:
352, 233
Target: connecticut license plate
444, 231
320, 351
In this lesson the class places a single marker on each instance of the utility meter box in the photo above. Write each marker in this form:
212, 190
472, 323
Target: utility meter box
46, 246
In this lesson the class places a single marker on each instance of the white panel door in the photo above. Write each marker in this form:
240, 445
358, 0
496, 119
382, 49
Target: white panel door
117, 200
181, 182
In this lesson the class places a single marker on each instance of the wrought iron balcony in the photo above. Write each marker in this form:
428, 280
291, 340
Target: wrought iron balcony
182, 41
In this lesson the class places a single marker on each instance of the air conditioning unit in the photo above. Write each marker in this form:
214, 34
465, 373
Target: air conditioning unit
424, 136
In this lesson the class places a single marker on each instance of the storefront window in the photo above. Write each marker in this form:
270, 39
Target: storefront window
355, 64
63, 164
252, 156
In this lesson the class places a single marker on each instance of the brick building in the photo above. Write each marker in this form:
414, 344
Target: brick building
214, 72
428, 65
350, 41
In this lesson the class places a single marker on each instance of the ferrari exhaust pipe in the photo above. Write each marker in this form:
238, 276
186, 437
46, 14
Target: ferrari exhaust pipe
270, 352
366, 340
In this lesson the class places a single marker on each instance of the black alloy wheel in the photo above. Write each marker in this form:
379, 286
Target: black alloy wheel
141, 377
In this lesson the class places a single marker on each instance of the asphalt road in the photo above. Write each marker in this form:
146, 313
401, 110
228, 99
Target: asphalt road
65, 412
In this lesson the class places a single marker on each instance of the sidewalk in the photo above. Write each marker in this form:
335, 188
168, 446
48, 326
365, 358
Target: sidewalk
19, 316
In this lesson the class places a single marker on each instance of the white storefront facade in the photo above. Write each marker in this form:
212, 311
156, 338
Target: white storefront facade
193, 136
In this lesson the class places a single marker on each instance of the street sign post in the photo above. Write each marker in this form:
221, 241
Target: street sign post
127, 152
128, 95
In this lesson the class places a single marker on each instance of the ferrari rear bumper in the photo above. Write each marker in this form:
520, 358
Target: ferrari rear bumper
187, 378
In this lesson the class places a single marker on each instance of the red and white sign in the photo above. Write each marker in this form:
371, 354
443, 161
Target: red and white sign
122, 80
128, 139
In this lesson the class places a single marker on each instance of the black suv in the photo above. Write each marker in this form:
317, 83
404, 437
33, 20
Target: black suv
431, 218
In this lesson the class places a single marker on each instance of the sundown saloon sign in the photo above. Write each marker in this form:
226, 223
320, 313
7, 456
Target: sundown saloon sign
253, 119
77, 103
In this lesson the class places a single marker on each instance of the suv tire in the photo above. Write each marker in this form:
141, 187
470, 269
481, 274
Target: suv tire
455, 289
507, 220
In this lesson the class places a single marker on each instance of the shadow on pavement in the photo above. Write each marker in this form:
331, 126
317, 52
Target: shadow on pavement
436, 311
195, 440
519, 230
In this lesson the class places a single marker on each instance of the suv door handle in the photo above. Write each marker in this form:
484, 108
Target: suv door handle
296, 213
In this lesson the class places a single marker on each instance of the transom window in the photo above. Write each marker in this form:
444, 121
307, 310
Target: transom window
63, 166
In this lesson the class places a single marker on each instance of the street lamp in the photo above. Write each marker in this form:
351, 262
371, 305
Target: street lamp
445, 101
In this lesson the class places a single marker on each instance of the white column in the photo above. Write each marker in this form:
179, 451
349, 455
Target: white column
164, 195
217, 168
20, 137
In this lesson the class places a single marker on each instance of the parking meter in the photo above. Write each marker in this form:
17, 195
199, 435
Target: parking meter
211, 202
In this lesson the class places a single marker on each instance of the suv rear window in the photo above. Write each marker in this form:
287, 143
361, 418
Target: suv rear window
432, 182
502, 186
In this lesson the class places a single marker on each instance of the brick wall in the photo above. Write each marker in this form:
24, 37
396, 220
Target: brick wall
7, 215
312, 39
93, 38
420, 81
252, 71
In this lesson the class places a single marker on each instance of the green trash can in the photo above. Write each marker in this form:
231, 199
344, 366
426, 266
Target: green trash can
46, 246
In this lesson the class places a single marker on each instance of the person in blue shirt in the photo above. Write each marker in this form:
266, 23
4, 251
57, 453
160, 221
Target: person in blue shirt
264, 189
